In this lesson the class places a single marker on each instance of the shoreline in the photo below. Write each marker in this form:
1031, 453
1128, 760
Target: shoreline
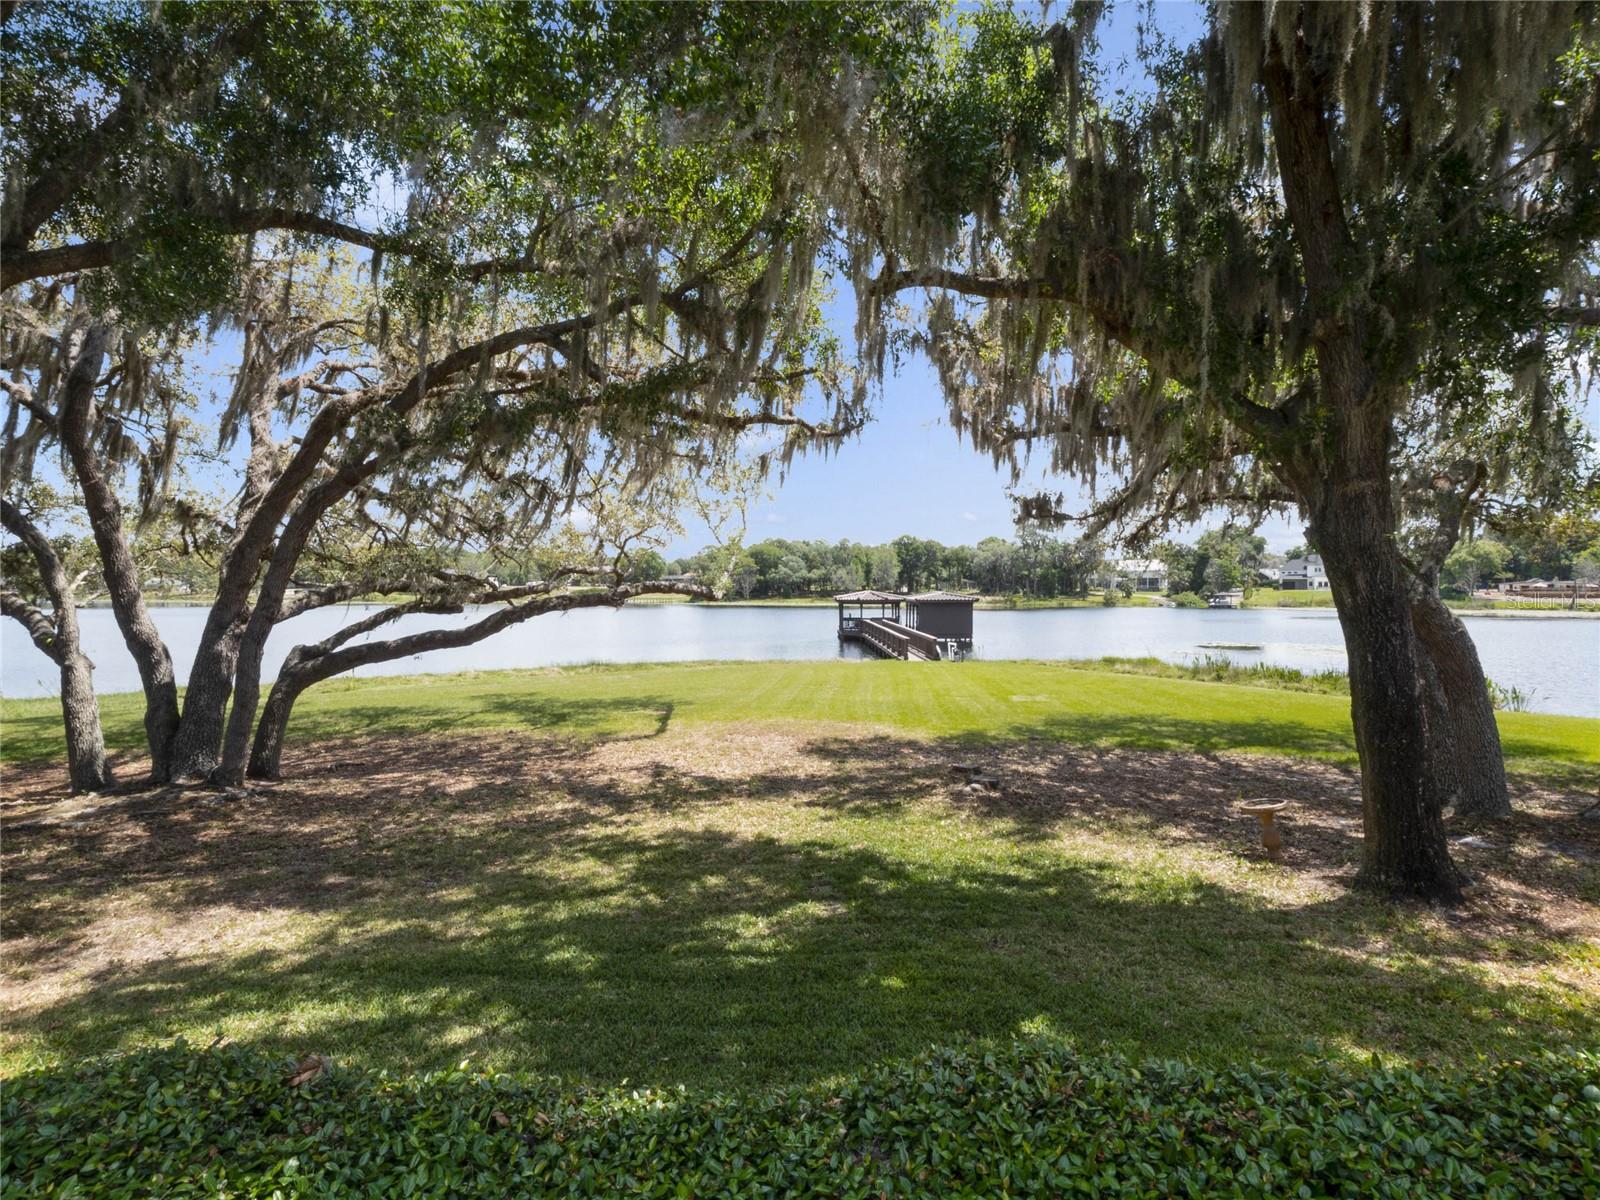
1141, 600
1288, 681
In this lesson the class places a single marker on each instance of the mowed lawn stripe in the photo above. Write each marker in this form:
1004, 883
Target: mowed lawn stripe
979, 700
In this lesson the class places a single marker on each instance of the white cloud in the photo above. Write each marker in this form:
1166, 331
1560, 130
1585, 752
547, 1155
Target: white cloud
969, 516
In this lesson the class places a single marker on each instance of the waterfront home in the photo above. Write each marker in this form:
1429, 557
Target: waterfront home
1146, 574
1304, 574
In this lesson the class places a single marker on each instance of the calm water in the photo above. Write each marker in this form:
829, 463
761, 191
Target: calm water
1556, 661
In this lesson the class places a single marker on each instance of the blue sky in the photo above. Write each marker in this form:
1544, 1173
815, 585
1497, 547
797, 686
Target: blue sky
908, 472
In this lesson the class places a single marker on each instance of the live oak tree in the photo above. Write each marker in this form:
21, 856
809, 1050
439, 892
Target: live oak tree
143, 141
609, 228
1230, 291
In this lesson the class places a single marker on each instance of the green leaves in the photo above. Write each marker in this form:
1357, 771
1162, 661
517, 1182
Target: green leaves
1036, 1120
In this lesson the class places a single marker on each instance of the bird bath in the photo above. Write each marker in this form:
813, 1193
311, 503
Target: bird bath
1270, 837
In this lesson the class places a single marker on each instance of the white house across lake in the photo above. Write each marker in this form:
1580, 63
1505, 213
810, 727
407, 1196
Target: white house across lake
1304, 574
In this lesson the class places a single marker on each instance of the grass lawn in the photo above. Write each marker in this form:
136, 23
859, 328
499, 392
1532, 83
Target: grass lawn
1081, 703
748, 874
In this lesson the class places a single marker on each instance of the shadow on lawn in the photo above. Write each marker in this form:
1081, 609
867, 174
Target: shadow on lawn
1207, 734
561, 906
515, 713
33, 733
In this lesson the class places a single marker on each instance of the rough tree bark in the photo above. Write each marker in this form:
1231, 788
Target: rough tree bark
116, 559
1349, 498
310, 664
268, 611
1467, 752
1476, 762
57, 636
1404, 851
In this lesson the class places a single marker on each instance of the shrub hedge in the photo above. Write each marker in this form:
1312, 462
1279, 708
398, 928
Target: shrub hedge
1036, 1120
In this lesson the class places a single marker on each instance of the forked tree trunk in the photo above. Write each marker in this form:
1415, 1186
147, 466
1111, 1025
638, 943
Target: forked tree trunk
1470, 755
1404, 851
58, 637
251, 644
205, 700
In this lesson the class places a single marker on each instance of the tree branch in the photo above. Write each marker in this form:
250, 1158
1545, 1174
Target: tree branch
324, 665
43, 630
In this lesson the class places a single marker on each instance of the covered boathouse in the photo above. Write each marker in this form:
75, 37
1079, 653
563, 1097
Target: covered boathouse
928, 625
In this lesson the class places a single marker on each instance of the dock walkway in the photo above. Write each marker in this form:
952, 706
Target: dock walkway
893, 640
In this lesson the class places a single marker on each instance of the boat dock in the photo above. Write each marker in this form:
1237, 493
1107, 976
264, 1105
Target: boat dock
925, 627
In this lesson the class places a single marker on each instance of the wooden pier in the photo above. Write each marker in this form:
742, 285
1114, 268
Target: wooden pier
894, 640
937, 625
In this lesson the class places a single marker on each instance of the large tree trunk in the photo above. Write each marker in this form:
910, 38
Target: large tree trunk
205, 702
1404, 851
266, 753
268, 609
234, 622
57, 636
1343, 481
116, 559
1476, 764
87, 768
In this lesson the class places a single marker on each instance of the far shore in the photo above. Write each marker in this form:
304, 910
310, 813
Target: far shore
985, 604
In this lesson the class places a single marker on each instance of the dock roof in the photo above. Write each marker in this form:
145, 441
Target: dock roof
870, 597
942, 598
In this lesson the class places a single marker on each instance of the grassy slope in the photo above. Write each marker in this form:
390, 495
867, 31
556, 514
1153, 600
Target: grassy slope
977, 699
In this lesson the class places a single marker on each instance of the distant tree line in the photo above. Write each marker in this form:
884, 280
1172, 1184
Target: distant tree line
1035, 564
1566, 547
1222, 560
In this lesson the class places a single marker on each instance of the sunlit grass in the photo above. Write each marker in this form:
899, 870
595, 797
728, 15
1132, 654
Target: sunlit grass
983, 700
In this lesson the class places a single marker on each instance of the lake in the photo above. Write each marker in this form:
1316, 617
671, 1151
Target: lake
1555, 661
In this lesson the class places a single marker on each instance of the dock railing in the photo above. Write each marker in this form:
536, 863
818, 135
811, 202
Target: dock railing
894, 640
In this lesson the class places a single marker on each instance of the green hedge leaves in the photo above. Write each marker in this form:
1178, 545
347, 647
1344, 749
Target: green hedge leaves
1038, 1119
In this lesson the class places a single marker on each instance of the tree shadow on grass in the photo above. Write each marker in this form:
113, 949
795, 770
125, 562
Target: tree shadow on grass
708, 957
33, 732
1201, 734
667, 912
415, 714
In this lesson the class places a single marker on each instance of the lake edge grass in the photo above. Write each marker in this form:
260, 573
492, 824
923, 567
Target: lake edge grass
1137, 706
